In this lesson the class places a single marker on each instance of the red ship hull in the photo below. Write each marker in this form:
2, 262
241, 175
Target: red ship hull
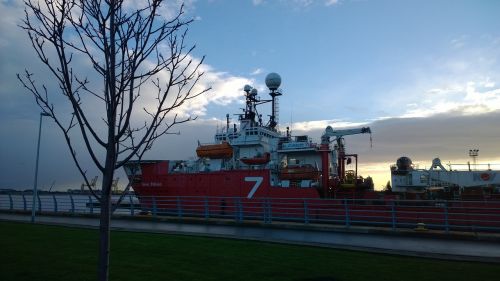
235, 183
249, 193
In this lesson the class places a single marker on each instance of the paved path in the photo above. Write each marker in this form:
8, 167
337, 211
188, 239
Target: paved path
394, 244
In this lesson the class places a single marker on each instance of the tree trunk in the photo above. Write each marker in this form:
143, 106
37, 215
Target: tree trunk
104, 228
109, 168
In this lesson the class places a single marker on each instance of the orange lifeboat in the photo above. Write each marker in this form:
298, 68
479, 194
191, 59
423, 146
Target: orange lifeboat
257, 160
215, 151
303, 172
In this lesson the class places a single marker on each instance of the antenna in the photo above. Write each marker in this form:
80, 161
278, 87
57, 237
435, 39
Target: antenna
251, 99
291, 119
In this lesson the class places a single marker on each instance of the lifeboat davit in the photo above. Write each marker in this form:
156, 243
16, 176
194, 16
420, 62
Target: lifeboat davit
303, 172
257, 160
215, 151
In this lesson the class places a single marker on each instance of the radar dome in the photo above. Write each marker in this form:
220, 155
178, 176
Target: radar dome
404, 163
273, 81
247, 88
253, 92
436, 162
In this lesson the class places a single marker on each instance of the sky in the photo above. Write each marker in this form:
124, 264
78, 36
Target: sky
423, 75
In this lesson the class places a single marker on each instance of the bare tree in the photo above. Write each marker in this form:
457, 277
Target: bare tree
125, 50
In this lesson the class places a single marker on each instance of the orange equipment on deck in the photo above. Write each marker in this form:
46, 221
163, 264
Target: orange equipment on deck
257, 160
304, 172
215, 151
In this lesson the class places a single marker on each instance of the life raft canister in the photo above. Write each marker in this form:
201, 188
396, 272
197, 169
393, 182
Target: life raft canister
485, 176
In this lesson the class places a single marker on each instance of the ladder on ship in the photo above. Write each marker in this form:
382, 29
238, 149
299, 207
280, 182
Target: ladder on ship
277, 112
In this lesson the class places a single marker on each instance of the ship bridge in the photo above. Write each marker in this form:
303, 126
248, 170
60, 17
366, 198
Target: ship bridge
255, 136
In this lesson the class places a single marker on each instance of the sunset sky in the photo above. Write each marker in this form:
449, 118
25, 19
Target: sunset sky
424, 75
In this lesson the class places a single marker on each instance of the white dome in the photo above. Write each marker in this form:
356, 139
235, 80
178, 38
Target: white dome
247, 88
273, 81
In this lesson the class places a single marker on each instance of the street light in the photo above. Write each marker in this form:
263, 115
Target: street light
35, 192
474, 153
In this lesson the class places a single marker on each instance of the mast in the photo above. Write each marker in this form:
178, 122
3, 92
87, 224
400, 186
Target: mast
273, 81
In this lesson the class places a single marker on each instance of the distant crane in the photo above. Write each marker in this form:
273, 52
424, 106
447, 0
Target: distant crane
52, 185
114, 185
92, 185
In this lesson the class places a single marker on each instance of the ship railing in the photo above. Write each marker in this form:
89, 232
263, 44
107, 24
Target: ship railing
439, 215
478, 167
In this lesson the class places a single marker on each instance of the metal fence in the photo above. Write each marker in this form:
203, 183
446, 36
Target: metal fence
62, 203
469, 216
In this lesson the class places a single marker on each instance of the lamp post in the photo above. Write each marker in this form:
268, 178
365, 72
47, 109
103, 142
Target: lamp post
474, 153
35, 192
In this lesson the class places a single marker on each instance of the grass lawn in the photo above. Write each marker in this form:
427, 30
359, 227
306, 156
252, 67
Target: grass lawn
38, 252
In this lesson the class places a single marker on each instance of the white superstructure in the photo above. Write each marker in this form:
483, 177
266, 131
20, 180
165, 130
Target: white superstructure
406, 178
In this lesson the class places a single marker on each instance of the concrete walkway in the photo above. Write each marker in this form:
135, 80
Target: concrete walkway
454, 249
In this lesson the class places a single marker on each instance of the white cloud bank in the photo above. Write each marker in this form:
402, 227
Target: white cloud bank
472, 97
322, 124
464, 80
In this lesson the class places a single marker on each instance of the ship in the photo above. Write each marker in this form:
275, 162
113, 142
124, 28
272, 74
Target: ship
254, 159
252, 165
254, 172
456, 182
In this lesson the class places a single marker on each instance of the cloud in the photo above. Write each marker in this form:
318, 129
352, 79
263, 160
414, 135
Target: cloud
257, 71
167, 10
299, 3
303, 3
459, 42
225, 89
332, 2
322, 124
448, 136
464, 80
472, 97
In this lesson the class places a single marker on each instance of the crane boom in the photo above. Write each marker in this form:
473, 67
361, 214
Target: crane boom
329, 132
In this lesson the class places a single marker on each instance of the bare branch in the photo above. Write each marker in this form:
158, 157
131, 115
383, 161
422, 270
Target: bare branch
100, 55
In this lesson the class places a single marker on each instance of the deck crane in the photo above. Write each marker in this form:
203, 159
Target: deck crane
338, 152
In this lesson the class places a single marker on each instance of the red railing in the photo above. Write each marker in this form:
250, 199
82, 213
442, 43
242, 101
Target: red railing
471, 216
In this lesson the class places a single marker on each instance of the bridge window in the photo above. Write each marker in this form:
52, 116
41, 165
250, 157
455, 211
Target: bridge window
423, 178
